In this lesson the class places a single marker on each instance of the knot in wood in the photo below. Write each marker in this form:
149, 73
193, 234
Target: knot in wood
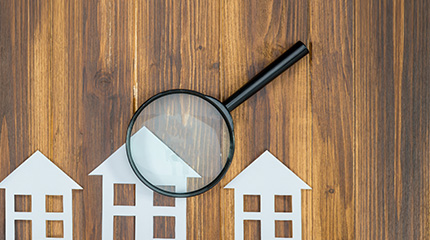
103, 81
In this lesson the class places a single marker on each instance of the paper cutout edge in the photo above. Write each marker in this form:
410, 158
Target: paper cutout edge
266, 156
37, 156
99, 170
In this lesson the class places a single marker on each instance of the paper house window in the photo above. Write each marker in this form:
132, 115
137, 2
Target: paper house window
24, 228
283, 228
164, 227
124, 194
54, 229
124, 227
22, 203
251, 229
54, 203
160, 200
251, 203
283, 203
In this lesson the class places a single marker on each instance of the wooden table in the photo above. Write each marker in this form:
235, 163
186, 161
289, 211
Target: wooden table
352, 119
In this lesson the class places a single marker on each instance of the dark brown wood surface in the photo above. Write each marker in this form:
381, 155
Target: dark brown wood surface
392, 120
332, 102
352, 118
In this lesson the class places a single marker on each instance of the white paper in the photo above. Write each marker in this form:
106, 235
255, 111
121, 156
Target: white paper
38, 177
267, 177
116, 170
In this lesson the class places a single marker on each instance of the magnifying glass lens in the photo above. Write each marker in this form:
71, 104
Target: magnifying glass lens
179, 143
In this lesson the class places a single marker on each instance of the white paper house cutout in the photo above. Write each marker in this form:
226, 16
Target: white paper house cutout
267, 177
39, 177
116, 170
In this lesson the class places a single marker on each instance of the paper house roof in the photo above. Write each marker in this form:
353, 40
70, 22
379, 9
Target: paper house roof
117, 167
158, 159
38, 174
266, 174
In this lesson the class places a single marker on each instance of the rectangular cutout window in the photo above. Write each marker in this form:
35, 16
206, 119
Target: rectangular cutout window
283, 203
251, 203
284, 229
251, 230
164, 201
124, 227
164, 227
124, 195
54, 229
22, 203
54, 203
23, 230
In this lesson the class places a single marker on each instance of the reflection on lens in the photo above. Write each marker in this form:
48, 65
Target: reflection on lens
180, 140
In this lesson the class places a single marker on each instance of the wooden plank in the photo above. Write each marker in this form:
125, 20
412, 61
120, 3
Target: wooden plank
179, 48
39, 74
15, 80
277, 118
21, 35
392, 119
108, 56
65, 96
9, 108
90, 95
331, 70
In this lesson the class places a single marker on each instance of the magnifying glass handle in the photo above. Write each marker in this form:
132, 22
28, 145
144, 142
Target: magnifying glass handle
282, 63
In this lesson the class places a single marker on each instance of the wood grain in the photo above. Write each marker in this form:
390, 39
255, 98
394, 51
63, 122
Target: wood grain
54, 203
54, 229
23, 229
252, 229
251, 203
124, 227
22, 203
179, 48
164, 227
277, 118
352, 119
331, 73
392, 119
124, 195
107, 98
15, 75
284, 229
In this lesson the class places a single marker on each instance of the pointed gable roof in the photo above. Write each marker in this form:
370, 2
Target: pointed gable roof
118, 168
38, 174
265, 174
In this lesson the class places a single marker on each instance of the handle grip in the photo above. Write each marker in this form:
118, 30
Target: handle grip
282, 63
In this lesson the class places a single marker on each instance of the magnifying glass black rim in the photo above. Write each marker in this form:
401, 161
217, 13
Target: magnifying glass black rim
229, 158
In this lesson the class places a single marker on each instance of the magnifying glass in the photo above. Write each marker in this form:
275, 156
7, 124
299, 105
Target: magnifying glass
180, 143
